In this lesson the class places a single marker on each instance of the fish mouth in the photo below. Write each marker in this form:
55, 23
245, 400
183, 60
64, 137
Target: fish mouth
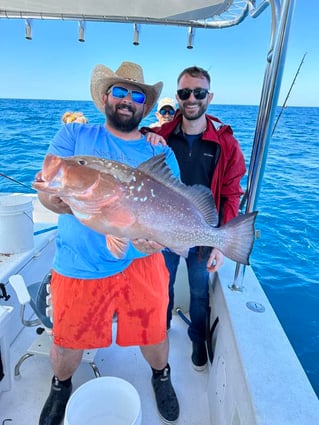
39, 185
55, 176
51, 175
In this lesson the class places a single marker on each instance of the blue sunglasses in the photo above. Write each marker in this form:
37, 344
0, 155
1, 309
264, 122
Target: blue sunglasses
164, 111
121, 93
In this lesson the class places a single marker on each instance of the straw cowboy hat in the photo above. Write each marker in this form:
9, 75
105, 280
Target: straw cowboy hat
103, 77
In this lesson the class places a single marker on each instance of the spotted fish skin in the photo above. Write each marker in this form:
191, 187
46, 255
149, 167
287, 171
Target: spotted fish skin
146, 202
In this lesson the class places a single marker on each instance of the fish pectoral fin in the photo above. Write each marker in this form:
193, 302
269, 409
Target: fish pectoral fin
117, 246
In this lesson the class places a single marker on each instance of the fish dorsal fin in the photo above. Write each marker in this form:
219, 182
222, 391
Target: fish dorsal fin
202, 198
199, 195
155, 164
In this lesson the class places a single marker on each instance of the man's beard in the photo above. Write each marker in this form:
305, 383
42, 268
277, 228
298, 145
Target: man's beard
121, 123
192, 117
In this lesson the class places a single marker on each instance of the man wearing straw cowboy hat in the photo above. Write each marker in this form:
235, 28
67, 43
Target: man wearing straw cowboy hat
87, 280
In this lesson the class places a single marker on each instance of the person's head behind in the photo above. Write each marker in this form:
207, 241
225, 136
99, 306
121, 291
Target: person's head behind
165, 110
122, 95
193, 92
77, 117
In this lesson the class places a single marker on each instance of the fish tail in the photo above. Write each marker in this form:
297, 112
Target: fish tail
240, 237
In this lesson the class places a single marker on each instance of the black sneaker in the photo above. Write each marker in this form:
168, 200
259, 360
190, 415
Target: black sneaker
166, 400
54, 408
199, 356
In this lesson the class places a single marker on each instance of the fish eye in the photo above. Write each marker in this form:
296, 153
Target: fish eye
82, 162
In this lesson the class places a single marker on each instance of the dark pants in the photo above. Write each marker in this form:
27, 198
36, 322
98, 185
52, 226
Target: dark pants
198, 276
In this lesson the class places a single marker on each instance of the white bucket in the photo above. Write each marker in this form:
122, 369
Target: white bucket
16, 224
104, 401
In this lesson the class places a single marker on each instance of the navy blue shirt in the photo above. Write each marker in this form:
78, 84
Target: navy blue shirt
197, 158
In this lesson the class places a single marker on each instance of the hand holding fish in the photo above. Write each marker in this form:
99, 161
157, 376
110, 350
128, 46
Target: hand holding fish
146, 246
215, 261
55, 204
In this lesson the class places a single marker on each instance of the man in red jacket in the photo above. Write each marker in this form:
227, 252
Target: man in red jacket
208, 154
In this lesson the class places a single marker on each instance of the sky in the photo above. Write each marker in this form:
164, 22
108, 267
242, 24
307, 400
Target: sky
55, 65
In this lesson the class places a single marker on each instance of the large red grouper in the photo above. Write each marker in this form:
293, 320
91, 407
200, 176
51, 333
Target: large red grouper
147, 202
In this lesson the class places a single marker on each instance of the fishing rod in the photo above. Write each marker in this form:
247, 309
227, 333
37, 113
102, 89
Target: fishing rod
244, 198
16, 181
288, 94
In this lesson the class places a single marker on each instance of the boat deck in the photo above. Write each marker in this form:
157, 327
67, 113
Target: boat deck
255, 377
23, 403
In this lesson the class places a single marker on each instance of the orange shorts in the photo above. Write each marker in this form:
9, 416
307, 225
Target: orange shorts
83, 309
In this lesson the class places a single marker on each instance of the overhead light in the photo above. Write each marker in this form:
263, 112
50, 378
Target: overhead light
190, 39
28, 29
81, 31
136, 34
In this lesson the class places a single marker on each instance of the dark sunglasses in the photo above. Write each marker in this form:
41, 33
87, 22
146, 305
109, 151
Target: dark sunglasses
199, 93
166, 111
121, 93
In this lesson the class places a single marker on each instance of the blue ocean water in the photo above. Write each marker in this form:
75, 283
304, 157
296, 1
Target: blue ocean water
285, 259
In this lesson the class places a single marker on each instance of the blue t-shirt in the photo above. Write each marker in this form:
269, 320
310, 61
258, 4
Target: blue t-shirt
82, 252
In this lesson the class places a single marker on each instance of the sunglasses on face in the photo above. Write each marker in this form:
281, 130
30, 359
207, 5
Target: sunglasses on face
170, 112
121, 93
198, 93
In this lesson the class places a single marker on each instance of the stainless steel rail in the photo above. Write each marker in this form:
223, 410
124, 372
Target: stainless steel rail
281, 21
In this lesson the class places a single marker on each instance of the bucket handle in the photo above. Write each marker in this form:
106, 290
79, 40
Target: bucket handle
30, 217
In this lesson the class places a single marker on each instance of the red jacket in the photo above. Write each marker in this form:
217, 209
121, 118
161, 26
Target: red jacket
230, 168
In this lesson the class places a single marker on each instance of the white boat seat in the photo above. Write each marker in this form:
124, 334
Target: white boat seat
37, 295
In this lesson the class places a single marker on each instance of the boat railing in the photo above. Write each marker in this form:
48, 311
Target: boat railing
281, 22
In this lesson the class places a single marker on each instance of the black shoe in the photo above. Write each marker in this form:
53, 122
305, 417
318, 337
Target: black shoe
54, 408
166, 400
199, 356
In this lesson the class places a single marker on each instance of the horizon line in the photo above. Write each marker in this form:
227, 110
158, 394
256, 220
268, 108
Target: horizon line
213, 104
